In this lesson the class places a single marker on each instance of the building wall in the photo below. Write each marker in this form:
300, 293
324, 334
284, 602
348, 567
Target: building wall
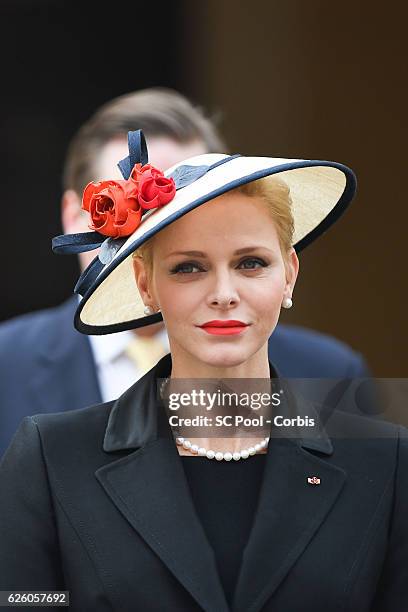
322, 80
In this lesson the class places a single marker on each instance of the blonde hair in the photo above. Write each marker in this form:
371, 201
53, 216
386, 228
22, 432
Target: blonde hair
274, 192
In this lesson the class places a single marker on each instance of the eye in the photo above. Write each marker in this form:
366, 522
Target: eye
185, 268
252, 260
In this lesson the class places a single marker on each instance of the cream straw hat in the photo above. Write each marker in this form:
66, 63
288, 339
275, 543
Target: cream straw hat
320, 192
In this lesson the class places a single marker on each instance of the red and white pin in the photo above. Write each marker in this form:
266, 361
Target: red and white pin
313, 480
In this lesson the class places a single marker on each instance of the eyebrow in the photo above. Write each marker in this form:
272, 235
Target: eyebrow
201, 254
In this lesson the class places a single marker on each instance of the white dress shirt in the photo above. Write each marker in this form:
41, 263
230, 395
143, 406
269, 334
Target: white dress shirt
115, 370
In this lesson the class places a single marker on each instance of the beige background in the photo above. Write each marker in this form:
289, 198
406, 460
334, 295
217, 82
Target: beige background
317, 80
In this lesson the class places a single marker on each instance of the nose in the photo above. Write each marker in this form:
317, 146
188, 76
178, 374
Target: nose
223, 293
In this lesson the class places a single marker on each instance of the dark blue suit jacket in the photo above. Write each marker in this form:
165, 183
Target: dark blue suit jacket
47, 366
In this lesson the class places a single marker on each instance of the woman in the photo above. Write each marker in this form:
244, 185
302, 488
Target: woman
112, 504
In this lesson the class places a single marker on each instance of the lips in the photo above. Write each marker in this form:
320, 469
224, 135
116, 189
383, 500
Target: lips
224, 328
229, 323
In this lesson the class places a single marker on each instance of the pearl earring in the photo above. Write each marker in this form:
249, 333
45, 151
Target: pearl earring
287, 302
148, 310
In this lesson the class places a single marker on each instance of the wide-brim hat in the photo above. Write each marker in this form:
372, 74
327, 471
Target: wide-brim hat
320, 192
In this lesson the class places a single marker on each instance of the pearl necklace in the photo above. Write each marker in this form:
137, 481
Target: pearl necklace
219, 456
227, 456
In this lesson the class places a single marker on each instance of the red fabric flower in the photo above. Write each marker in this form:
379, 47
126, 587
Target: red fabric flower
154, 188
114, 207
139, 171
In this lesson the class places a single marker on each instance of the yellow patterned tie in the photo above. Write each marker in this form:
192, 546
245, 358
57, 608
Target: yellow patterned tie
145, 352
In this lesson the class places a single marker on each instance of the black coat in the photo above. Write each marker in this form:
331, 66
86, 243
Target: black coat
95, 501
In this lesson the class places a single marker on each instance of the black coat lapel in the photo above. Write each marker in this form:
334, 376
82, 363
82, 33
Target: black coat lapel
150, 489
289, 513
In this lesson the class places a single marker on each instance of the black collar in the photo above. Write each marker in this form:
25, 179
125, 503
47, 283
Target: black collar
137, 417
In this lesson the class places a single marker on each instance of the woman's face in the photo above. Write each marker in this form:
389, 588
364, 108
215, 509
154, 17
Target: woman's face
220, 262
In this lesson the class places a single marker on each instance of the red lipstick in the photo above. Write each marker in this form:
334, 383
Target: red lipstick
224, 328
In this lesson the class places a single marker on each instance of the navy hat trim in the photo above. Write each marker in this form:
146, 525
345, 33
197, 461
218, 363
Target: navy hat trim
88, 276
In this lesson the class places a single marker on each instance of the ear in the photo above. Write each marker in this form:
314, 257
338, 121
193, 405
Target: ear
142, 281
73, 218
292, 269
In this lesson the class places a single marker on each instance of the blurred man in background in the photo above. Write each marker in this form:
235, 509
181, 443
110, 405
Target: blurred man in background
46, 365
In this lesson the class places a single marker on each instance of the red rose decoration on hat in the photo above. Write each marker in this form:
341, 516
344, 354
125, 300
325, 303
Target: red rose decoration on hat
116, 207
113, 206
139, 170
154, 188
